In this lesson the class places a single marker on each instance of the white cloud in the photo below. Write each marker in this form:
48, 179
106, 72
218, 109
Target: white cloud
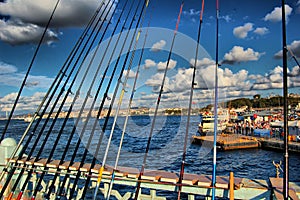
158, 46
131, 74
7, 69
25, 104
276, 14
231, 84
155, 82
294, 48
242, 31
202, 63
274, 79
149, 63
16, 33
9, 76
261, 30
237, 54
162, 65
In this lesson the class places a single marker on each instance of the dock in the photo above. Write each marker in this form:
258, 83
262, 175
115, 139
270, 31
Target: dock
278, 145
229, 141
154, 181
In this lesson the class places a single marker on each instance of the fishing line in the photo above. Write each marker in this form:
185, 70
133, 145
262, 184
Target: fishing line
216, 105
84, 103
127, 115
61, 74
117, 86
74, 99
56, 88
121, 95
157, 105
58, 112
28, 71
99, 111
190, 104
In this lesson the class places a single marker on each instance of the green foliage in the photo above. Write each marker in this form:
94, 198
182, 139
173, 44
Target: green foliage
276, 101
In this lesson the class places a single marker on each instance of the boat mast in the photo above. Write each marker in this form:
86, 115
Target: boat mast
285, 106
216, 105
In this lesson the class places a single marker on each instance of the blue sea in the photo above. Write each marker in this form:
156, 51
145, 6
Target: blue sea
166, 147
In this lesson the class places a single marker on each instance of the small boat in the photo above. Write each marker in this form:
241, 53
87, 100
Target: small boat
28, 118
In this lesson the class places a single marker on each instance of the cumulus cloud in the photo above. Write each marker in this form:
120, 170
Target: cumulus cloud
16, 33
162, 65
26, 103
158, 46
276, 14
238, 54
202, 63
261, 30
25, 26
149, 63
231, 84
7, 68
9, 76
274, 79
242, 31
294, 48
131, 74
155, 82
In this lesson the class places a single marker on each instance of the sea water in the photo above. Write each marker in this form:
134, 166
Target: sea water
165, 149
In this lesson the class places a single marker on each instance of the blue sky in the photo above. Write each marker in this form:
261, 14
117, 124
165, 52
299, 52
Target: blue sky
249, 47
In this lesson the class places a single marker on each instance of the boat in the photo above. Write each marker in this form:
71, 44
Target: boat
28, 118
207, 121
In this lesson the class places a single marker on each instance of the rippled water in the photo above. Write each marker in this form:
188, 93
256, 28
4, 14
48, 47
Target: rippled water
166, 147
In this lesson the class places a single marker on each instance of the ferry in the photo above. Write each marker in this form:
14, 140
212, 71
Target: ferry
207, 122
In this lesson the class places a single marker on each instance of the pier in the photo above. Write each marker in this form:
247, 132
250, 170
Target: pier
227, 142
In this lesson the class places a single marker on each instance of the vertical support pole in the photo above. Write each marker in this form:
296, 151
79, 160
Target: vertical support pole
231, 186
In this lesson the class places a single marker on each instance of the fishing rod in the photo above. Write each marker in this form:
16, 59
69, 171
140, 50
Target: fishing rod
94, 101
285, 106
116, 88
82, 107
74, 99
157, 105
58, 80
190, 103
126, 118
216, 105
47, 135
28, 71
121, 98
